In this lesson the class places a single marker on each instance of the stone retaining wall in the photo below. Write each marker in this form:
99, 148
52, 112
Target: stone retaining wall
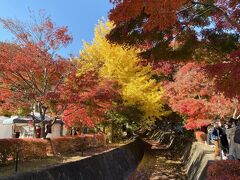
115, 164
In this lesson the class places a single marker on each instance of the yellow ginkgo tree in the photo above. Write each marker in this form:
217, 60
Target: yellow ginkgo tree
122, 64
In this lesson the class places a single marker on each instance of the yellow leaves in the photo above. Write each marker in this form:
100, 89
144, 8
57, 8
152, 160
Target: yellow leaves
122, 64
147, 97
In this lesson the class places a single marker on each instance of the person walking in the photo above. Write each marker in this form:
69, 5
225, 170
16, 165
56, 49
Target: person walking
215, 138
209, 135
223, 138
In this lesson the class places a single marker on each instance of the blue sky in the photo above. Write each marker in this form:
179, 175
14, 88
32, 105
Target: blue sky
80, 16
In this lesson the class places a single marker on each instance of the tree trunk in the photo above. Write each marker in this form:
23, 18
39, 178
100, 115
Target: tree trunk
61, 130
43, 135
34, 124
42, 112
34, 129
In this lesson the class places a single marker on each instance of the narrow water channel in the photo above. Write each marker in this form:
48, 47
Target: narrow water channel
156, 164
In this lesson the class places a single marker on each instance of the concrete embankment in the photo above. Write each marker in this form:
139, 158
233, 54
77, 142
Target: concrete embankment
189, 160
197, 161
121, 163
115, 164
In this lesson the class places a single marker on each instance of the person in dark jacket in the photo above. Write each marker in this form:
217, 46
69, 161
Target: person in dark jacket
220, 139
223, 137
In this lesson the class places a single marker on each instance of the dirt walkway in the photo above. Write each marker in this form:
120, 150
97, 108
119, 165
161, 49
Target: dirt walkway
159, 163
156, 166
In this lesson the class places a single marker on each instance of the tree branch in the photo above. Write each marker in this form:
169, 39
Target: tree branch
232, 22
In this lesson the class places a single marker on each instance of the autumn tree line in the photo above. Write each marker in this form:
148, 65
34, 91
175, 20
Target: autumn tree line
150, 61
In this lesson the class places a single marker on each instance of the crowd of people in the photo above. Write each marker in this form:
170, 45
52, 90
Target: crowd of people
224, 137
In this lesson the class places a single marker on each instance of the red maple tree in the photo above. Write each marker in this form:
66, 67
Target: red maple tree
89, 99
155, 25
31, 70
192, 94
155, 10
227, 75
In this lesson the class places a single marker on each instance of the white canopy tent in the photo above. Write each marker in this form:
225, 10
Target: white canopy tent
5, 129
9, 127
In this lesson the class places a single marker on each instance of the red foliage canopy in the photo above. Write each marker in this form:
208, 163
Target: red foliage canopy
192, 94
179, 30
89, 98
161, 14
227, 75
31, 71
